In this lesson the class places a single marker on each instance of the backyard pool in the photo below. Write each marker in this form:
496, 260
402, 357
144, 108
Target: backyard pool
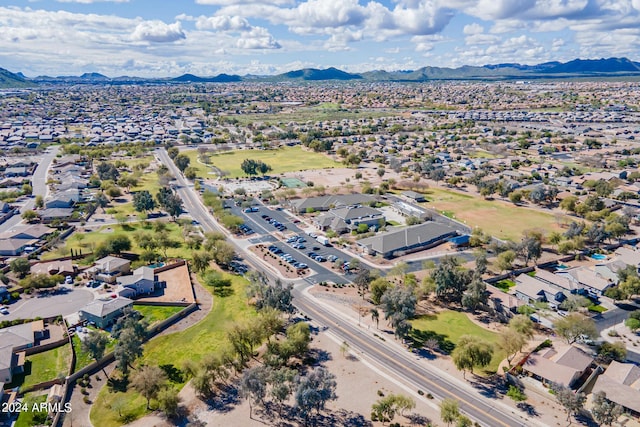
156, 265
598, 257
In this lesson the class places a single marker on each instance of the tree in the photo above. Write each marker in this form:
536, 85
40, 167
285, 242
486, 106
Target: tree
224, 253
314, 390
572, 402
173, 205
399, 305
362, 280
168, 401
249, 167
471, 351
143, 201
633, 321
253, 386
101, 200
375, 316
277, 296
30, 216
20, 266
281, 383
200, 261
574, 326
451, 281
130, 332
505, 260
475, 294
569, 203
39, 202
181, 161
244, 337
386, 408
522, 324
612, 351
603, 410
148, 381
173, 152
449, 410
511, 341
95, 344
575, 303
378, 287
107, 171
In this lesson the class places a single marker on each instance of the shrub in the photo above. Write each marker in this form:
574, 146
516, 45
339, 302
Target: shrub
516, 394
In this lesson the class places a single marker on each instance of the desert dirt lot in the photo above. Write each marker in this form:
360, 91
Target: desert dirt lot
357, 389
178, 286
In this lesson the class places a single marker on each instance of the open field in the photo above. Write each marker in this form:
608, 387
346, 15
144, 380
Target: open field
156, 313
287, 159
447, 327
45, 366
87, 241
147, 181
207, 336
495, 217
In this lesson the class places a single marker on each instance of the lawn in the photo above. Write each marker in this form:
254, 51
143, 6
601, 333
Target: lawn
87, 241
287, 159
83, 358
205, 337
447, 327
495, 217
504, 285
45, 366
156, 313
28, 417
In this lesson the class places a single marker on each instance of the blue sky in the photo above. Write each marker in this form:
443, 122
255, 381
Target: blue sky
163, 38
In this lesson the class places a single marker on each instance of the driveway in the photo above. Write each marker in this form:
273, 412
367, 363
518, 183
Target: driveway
64, 302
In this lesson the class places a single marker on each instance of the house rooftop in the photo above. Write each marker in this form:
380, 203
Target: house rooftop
104, 307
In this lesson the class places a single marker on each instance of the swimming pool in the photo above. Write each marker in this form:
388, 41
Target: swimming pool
157, 265
598, 257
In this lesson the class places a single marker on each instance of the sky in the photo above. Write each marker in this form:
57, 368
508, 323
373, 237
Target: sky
167, 38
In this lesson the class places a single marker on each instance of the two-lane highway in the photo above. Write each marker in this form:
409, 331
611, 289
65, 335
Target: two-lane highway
396, 361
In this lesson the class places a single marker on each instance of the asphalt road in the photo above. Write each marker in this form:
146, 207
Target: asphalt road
399, 362
39, 184
404, 365
64, 302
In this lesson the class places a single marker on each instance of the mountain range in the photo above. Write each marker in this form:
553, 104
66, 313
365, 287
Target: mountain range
610, 67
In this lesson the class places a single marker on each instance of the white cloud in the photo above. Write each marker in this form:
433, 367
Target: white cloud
473, 28
257, 38
223, 23
158, 32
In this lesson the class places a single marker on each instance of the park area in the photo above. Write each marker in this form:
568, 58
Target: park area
172, 350
497, 218
281, 160
447, 327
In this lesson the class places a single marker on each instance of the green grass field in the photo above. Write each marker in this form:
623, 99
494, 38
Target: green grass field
29, 418
495, 217
447, 327
153, 313
205, 337
45, 366
88, 241
287, 159
147, 182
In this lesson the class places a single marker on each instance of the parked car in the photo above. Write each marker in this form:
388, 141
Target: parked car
4, 310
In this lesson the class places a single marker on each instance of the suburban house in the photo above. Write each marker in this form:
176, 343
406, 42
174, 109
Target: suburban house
13, 340
63, 199
589, 280
104, 312
559, 281
143, 281
29, 231
62, 267
628, 256
530, 290
52, 214
109, 268
14, 247
561, 364
407, 240
324, 203
348, 218
621, 384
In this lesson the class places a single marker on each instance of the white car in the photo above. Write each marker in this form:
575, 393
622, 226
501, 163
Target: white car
4, 310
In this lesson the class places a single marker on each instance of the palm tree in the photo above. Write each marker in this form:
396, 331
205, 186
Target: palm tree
375, 316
